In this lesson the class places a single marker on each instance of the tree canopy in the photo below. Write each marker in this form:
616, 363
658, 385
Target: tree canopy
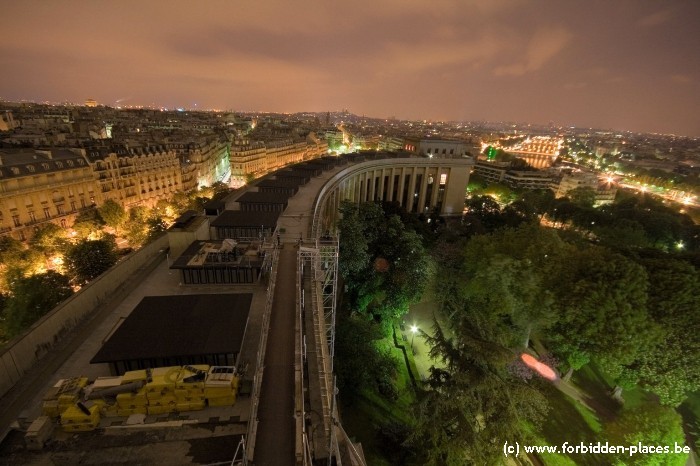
88, 259
113, 214
33, 296
383, 263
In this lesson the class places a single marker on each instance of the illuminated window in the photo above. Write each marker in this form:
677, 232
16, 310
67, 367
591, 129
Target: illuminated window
30, 168
443, 178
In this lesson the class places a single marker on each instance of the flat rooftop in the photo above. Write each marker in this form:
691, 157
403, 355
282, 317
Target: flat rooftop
187, 325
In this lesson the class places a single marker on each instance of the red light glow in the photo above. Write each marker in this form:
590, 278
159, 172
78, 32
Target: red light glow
539, 367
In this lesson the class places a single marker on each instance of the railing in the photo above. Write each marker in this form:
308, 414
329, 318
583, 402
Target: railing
257, 379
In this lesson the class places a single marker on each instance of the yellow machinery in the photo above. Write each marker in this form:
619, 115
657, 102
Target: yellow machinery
80, 405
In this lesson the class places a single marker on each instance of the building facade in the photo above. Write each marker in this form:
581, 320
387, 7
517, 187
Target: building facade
135, 176
417, 184
41, 186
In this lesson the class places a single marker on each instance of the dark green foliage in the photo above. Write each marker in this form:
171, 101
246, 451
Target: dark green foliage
383, 263
359, 362
393, 437
648, 424
670, 367
583, 196
473, 400
32, 297
601, 300
88, 259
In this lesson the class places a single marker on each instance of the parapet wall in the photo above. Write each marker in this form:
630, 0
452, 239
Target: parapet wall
21, 353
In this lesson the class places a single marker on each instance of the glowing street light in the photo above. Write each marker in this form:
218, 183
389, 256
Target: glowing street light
414, 330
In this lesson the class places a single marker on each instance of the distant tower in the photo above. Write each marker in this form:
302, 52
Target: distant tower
91, 103
328, 118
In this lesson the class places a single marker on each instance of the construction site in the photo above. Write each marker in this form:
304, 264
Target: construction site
215, 344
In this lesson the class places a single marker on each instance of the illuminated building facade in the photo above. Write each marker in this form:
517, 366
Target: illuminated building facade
538, 151
284, 152
247, 160
134, 176
41, 186
436, 147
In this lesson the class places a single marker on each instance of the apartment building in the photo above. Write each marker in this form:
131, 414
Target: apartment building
40, 186
133, 176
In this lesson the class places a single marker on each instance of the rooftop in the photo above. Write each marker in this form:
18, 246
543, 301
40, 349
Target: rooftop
188, 325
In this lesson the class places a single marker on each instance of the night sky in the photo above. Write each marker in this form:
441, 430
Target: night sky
622, 64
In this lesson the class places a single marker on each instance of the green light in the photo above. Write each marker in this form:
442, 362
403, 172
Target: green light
490, 153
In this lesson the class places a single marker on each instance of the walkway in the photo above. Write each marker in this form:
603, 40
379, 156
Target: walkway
274, 444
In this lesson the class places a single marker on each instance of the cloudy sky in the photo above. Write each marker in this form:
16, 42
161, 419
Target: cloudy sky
622, 64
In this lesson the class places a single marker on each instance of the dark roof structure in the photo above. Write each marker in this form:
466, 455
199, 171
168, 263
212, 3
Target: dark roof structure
264, 198
239, 218
179, 326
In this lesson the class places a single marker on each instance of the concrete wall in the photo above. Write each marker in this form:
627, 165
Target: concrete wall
24, 351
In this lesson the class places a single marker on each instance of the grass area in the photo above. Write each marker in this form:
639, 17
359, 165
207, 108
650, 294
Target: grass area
568, 422
690, 410
370, 410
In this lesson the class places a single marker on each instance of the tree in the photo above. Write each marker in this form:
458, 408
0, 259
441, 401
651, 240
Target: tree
648, 424
473, 402
622, 234
220, 190
670, 368
384, 264
50, 239
33, 296
504, 283
583, 196
359, 362
113, 214
486, 211
353, 242
601, 300
88, 225
137, 229
540, 200
88, 259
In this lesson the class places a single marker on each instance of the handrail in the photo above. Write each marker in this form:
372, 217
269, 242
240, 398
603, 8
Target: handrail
257, 379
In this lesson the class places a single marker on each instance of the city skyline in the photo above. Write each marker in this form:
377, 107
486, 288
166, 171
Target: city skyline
631, 65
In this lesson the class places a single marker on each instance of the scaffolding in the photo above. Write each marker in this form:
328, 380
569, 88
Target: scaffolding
318, 269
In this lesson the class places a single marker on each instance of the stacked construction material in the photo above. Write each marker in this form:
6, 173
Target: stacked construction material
221, 386
80, 418
189, 389
63, 394
157, 391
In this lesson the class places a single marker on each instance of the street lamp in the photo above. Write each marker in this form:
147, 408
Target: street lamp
414, 330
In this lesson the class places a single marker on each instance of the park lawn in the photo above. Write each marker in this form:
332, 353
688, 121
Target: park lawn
570, 423
599, 386
371, 410
690, 410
